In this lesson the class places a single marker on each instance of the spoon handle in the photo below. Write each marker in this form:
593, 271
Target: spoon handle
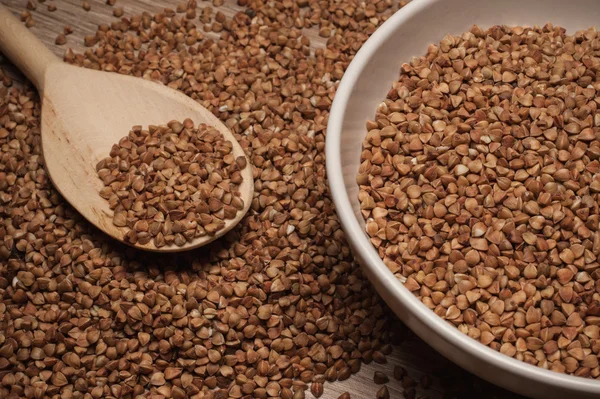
25, 50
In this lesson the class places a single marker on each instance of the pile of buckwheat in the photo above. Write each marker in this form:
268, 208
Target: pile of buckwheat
479, 184
172, 183
272, 307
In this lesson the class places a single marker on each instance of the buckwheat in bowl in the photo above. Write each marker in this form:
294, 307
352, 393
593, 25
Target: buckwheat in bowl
463, 157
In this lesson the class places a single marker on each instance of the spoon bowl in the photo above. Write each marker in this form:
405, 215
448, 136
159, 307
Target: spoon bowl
85, 112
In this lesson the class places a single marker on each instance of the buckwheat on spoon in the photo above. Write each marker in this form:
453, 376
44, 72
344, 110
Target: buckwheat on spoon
85, 111
172, 184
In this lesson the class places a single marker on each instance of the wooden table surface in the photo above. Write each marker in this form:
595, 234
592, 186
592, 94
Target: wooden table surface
414, 355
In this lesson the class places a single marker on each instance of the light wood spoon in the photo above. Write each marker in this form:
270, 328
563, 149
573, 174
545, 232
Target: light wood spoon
85, 112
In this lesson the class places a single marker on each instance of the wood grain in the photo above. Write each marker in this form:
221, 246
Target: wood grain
23, 48
414, 355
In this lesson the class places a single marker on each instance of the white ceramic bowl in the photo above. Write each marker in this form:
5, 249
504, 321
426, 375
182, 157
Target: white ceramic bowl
365, 84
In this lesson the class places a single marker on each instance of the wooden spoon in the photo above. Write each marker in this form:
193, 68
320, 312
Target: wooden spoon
85, 112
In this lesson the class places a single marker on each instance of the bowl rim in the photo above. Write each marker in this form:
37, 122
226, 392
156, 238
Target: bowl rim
371, 260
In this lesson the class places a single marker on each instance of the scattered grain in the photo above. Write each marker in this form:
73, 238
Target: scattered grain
60, 39
383, 393
380, 378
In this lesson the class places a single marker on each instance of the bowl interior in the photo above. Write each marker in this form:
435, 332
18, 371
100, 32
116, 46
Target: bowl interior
429, 24
365, 84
